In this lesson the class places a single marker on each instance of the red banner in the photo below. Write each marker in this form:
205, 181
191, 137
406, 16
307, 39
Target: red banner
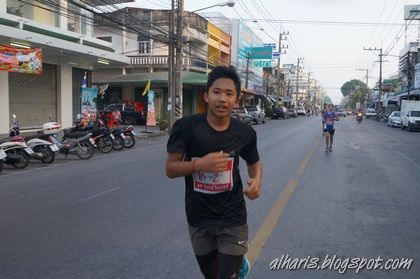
21, 60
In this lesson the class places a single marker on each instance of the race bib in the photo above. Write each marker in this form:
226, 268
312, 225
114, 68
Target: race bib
214, 182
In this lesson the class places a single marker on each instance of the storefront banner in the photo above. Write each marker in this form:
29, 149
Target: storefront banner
151, 117
89, 97
21, 60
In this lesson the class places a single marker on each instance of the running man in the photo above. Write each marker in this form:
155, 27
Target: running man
329, 117
205, 149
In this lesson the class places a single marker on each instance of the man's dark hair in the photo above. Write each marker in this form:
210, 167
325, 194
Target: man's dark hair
224, 72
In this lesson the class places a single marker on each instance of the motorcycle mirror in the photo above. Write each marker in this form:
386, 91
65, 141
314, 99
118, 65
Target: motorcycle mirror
14, 116
50, 117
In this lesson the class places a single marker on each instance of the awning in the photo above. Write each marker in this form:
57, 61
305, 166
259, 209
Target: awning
190, 78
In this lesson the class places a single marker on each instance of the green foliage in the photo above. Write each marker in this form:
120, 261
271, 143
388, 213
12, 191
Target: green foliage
267, 108
351, 86
163, 121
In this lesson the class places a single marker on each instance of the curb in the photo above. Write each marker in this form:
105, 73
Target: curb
151, 135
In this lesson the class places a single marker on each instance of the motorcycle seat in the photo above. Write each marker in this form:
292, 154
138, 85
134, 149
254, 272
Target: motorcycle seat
74, 135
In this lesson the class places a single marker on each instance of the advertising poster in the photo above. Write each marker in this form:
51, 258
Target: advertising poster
151, 119
21, 60
89, 96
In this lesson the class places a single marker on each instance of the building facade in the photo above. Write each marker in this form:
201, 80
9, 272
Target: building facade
63, 31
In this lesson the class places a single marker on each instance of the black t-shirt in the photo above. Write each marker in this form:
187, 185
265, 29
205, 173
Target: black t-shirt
214, 199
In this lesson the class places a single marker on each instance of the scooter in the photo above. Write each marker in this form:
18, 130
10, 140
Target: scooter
359, 117
17, 153
43, 150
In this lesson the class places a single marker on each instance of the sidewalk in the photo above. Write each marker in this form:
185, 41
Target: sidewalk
152, 131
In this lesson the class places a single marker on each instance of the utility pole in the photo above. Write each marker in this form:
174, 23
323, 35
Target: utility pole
300, 59
248, 59
380, 77
309, 80
179, 58
408, 74
171, 54
278, 63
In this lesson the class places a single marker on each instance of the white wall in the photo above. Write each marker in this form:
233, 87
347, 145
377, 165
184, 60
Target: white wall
65, 96
4, 102
3, 5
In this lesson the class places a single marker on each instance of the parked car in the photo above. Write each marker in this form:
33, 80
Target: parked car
241, 114
341, 113
280, 112
301, 111
394, 119
258, 115
292, 113
370, 112
129, 115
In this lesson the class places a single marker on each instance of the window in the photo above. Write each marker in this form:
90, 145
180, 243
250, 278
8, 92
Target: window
144, 47
107, 39
37, 10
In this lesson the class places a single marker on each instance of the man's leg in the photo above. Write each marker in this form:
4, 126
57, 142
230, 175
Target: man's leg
209, 265
229, 266
327, 140
203, 241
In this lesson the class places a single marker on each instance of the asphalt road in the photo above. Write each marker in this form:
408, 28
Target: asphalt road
118, 216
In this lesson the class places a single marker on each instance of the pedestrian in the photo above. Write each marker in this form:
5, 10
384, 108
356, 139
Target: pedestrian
329, 117
116, 118
205, 148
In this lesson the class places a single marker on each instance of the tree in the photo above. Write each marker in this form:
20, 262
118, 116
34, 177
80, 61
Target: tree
356, 90
351, 86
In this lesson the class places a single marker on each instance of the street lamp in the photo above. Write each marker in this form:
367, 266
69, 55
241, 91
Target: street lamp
230, 4
176, 108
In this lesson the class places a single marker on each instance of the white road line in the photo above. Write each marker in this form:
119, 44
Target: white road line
405, 156
99, 194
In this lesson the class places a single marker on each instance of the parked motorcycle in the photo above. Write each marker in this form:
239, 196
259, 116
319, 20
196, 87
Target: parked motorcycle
79, 143
129, 140
102, 137
119, 138
2, 157
43, 150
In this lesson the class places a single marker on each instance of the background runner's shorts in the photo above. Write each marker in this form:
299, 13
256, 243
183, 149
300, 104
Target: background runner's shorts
331, 132
229, 241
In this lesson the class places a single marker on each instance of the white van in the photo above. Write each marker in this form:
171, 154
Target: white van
410, 115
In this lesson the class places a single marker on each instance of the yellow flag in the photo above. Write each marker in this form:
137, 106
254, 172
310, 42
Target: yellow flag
146, 88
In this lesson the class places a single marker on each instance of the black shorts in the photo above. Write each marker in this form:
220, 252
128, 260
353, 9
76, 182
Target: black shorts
229, 241
331, 132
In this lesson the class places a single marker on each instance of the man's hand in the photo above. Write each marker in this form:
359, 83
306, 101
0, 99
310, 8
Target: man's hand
212, 162
254, 188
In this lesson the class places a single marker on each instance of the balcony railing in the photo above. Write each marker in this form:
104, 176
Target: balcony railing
162, 61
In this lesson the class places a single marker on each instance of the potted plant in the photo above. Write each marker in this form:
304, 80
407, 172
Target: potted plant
163, 122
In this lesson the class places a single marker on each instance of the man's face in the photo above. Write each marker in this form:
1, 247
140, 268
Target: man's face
330, 108
222, 97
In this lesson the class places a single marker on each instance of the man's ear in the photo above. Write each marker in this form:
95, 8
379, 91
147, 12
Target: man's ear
206, 96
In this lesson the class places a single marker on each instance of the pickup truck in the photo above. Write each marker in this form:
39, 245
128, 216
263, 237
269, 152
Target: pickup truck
129, 115
370, 112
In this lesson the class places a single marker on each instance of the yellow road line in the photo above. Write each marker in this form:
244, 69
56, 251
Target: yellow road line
303, 165
264, 232
261, 236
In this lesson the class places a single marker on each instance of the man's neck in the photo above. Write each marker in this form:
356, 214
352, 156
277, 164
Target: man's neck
219, 124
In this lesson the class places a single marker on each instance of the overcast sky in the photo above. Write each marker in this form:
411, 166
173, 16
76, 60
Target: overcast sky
329, 34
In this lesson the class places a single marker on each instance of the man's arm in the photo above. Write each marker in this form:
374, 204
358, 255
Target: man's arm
212, 162
254, 182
